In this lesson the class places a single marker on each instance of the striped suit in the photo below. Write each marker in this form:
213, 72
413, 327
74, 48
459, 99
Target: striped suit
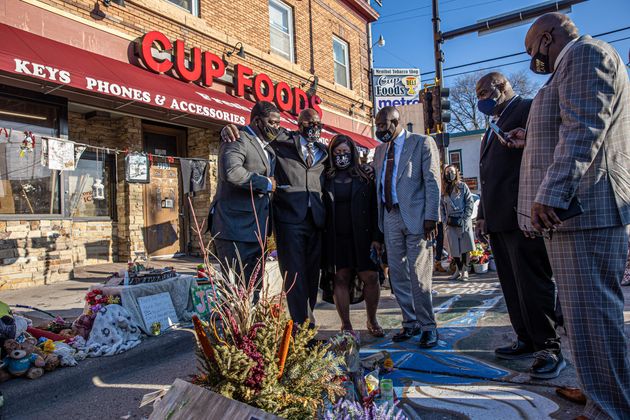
578, 144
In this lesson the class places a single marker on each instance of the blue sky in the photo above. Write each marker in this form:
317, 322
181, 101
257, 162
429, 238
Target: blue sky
408, 33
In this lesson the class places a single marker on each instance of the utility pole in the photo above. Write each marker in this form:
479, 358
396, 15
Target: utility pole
439, 59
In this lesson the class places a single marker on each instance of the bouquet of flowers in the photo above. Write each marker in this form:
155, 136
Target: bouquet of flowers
481, 254
250, 351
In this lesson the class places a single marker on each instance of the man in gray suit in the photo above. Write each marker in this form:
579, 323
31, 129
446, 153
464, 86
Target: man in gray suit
240, 209
577, 145
407, 170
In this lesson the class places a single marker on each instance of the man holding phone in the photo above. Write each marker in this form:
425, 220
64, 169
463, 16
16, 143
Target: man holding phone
523, 267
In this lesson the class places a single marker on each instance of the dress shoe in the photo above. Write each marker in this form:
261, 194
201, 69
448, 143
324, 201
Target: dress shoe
574, 395
547, 365
428, 339
518, 350
405, 334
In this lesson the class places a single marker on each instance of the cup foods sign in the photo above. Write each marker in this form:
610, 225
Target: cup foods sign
396, 87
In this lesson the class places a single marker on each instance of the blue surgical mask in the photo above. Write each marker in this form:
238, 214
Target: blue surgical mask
487, 106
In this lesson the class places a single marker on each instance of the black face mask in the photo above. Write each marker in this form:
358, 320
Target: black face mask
540, 62
343, 160
269, 132
450, 176
311, 133
387, 135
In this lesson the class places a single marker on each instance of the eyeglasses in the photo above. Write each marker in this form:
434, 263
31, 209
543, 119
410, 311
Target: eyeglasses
547, 234
312, 124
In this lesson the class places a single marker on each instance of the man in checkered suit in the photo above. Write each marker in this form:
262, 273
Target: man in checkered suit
577, 144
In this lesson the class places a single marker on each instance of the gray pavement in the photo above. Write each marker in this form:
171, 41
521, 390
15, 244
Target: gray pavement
434, 384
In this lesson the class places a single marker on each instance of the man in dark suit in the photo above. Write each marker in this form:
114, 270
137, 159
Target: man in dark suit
299, 214
523, 267
240, 209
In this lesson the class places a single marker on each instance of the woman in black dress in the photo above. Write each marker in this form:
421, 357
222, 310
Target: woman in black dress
352, 240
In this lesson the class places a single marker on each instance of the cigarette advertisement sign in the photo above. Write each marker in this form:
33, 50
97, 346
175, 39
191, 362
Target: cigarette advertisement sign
395, 87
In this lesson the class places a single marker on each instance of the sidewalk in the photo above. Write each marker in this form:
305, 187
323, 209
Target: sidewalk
472, 319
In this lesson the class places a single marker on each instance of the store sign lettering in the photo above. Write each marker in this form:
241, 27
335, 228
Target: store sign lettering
41, 71
205, 67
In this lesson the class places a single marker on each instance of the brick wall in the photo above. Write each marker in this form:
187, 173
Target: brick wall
223, 23
203, 144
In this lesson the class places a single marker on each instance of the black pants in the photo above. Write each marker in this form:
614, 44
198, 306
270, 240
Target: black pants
439, 242
530, 293
249, 254
299, 257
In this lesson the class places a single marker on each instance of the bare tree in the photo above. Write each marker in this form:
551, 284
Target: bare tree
464, 113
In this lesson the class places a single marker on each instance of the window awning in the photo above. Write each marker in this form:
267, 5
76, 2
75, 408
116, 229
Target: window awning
38, 58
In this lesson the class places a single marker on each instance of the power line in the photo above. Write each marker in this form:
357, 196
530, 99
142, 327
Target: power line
505, 64
443, 12
399, 58
411, 10
523, 52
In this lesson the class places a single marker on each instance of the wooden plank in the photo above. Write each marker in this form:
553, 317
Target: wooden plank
185, 401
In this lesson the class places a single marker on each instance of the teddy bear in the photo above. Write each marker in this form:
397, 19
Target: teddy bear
83, 325
21, 360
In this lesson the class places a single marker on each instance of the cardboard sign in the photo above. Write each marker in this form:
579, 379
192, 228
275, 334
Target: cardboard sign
158, 308
203, 300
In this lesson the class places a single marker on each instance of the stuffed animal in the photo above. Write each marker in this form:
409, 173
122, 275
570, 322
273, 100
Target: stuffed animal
21, 360
83, 325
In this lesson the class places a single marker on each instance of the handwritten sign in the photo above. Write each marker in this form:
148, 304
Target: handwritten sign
203, 300
158, 308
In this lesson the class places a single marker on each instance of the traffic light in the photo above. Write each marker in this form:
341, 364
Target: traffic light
441, 106
427, 108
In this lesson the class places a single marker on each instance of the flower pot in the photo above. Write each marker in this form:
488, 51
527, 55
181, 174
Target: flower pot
492, 266
481, 268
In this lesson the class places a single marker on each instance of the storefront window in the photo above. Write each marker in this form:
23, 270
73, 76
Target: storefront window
27, 187
79, 186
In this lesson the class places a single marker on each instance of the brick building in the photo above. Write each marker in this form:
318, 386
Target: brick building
115, 74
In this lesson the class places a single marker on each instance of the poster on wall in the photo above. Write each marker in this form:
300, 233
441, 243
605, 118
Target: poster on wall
137, 168
396, 87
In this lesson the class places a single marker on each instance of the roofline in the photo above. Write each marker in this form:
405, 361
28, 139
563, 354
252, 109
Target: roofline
468, 133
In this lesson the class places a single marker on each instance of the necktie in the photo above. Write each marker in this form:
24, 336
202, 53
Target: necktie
389, 174
310, 155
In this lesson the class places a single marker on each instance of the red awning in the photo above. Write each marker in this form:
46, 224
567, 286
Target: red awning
36, 57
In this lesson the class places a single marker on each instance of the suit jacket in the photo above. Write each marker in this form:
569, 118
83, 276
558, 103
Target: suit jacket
290, 205
243, 167
499, 171
577, 139
364, 222
417, 182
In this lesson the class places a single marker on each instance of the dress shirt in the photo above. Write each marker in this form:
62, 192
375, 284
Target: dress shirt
263, 146
398, 143
317, 153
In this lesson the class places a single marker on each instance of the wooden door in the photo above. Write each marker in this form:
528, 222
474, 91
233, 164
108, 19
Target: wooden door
163, 218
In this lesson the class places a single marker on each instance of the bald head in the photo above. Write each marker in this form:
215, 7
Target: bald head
388, 112
549, 34
308, 115
497, 87
387, 120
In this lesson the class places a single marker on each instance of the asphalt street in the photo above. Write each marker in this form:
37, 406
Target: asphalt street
471, 316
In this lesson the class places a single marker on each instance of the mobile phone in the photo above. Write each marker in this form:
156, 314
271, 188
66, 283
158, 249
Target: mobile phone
575, 209
503, 138
374, 256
